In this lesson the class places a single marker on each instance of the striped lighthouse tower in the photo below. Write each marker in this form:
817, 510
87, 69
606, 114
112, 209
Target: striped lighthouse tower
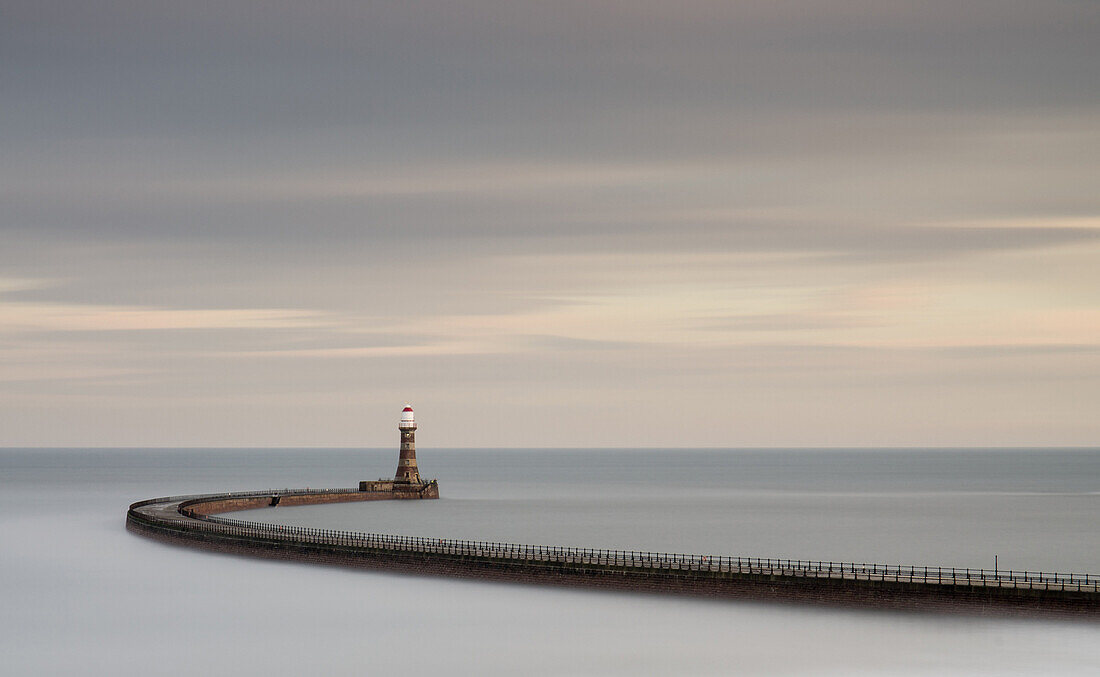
407, 472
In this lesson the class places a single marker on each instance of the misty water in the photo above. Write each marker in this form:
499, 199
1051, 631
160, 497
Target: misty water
83, 596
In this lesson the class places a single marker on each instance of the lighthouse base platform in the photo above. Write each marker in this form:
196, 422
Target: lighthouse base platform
401, 489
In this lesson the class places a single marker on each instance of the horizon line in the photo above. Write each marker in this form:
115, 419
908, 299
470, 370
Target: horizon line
571, 448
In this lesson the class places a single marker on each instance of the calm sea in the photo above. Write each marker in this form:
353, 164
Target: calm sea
83, 596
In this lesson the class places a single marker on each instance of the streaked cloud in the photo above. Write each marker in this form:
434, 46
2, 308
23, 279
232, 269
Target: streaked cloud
57, 317
838, 222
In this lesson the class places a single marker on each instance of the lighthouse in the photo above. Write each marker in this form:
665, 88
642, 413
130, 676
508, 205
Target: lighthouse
407, 472
406, 483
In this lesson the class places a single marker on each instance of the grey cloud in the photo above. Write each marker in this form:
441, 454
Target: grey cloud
162, 154
482, 225
459, 69
223, 340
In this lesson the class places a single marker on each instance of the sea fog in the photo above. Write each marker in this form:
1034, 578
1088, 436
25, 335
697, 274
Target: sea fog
83, 596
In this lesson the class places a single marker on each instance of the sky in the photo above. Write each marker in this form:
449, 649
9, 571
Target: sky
598, 223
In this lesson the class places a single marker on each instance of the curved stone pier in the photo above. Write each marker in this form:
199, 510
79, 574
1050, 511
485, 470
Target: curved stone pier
193, 521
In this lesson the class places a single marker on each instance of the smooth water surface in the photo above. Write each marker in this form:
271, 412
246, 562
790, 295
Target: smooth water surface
83, 596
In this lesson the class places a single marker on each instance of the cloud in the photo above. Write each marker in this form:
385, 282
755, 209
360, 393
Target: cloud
818, 213
782, 322
450, 348
20, 317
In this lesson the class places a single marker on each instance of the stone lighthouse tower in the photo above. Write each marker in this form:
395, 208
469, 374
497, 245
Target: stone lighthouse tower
407, 472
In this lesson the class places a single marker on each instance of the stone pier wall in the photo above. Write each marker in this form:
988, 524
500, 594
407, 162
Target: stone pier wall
881, 594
